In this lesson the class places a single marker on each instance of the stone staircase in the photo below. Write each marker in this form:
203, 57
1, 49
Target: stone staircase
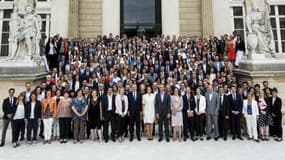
90, 18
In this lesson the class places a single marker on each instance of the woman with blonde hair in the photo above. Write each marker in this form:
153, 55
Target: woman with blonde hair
121, 103
48, 115
251, 114
177, 119
18, 119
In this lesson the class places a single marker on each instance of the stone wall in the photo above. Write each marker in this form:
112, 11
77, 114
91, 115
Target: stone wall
90, 18
190, 17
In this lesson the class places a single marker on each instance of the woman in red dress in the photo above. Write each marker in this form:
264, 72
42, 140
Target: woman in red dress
231, 49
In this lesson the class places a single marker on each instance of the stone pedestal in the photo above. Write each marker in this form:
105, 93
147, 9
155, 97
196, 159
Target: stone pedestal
262, 68
14, 74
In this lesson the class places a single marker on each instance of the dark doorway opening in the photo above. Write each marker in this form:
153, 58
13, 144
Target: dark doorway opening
140, 17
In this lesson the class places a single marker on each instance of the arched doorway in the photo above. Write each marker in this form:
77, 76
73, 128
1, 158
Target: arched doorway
140, 17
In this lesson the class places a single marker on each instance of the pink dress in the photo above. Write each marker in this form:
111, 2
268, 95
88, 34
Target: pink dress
176, 110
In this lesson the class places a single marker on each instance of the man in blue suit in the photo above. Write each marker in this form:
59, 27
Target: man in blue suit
236, 111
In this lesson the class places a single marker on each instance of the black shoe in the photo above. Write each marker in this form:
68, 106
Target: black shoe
240, 138
184, 139
167, 139
160, 139
106, 140
201, 139
113, 139
193, 139
234, 137
225, 138
22, 138
2, 144
208, 138
16, 145
139, 138
216, 138
256, 140
131, 139
41, 136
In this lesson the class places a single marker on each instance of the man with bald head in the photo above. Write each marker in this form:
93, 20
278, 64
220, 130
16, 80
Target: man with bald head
212, 110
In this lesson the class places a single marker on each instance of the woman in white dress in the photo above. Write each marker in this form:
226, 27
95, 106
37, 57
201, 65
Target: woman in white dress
148, 112
176, 110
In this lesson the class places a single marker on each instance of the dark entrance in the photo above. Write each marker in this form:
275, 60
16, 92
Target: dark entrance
140, 17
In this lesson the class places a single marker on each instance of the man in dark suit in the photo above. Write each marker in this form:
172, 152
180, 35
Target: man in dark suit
224, 113
236, 110
108, 114
218, 64
9, 105
101, 90
188, 114
275, 110
163, 112
135, 110
205, 66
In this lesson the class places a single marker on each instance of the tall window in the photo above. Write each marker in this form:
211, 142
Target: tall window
4, 48
45, 24
277, 18
238, 21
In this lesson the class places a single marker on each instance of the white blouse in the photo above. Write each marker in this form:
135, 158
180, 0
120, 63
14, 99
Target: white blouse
20, 112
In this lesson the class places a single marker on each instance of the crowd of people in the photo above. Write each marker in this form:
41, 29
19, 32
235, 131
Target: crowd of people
110, 88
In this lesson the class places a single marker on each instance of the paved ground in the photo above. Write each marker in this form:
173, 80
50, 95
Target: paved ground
200, 150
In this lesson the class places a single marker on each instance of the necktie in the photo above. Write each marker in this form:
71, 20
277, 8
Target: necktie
134, 95
11, 101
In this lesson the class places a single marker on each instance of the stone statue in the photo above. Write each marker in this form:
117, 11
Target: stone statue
260, 36
25, 35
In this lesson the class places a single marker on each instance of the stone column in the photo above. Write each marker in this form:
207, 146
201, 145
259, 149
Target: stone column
221, 15
170, 17
111, 17
73, 18
207, 17
60, 17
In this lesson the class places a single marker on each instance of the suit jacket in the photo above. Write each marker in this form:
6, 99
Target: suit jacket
225, 106
276, 108
207, 67
135, 106
255, 111
202, 104
237, 104
52, 106
105, 104
8, 108
37, 110
213, 105
220, 64
188, 106
162, 107
119, 105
